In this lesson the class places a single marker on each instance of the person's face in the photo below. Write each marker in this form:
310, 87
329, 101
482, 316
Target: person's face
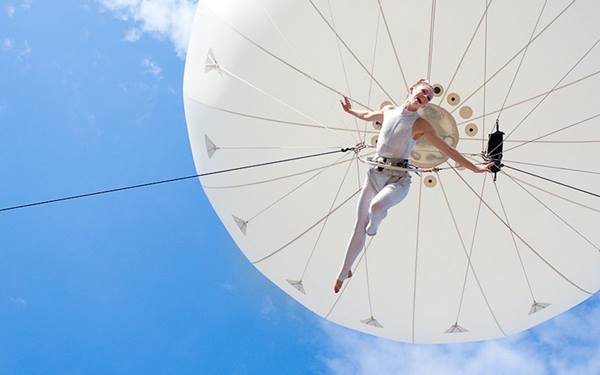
421, 95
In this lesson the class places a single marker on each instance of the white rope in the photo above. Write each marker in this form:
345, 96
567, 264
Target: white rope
514, 242
349, 281
554, 132
392, 44
522, 58
523, 240
548, 94
466, 50
326, 220
275, 178
350, 50
293, 190
469, 263
431, 30
337, 42
418, 232
278, 100
552, 194
517, 54
305, 231
557, 215
529, 99
281, 60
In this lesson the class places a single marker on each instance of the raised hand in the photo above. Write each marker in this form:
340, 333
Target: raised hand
346, 104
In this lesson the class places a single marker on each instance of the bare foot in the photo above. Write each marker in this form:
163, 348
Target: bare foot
338, 283
337, 286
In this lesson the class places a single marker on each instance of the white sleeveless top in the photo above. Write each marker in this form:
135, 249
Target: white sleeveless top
395, 138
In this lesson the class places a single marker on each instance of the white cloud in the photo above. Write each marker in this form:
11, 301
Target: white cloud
7, 43
171, 19
268, 308
132, 35
26, 50
10, 10
151, 67
568, 344
19, 301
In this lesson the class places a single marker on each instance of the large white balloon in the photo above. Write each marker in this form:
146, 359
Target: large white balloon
263, 80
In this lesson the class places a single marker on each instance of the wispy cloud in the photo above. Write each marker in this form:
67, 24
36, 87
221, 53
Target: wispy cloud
7, 43
268, 309
151, 67
171, 19
568, 344
132, 35
19, 301
25, 50
10, 10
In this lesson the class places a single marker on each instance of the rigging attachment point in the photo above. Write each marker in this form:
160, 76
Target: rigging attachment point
494, 149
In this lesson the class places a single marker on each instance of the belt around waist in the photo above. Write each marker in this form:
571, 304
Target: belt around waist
396, 162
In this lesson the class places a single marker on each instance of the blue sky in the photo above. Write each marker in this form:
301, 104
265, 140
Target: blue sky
149, 281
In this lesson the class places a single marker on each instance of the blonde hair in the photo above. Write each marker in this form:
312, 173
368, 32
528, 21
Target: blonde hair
422, 82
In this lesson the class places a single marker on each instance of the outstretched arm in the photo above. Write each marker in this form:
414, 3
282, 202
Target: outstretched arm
363, 115
430, 135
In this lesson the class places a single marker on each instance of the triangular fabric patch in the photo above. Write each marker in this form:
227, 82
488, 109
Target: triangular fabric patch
211, 62
372, 322
537, 306
298, 285
455, 328
210, 146
240, 223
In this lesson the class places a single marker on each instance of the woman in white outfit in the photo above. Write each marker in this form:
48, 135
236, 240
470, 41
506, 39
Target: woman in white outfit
384, 188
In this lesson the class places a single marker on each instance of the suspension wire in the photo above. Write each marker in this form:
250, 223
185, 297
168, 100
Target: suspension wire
368, 284
297, 187
554, 132
545, 96
278, 100
283, 247
462, 293
349, 281
418, 231
291, 46
554, 181
372, 69
572, 141
281, 60
521, 61
170, 180
259, 182
552, 267
512, 105
270, 119
540, 189
337, 42
485, 52
551, 193
556, 215
466, 50
469, 263
553, 167
431, 30
337, 194
387, 28
517, 54
514, 240
350, 50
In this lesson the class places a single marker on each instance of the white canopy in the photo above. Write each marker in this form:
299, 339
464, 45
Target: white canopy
462, 258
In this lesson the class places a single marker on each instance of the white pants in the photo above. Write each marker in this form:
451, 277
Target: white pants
379, 193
